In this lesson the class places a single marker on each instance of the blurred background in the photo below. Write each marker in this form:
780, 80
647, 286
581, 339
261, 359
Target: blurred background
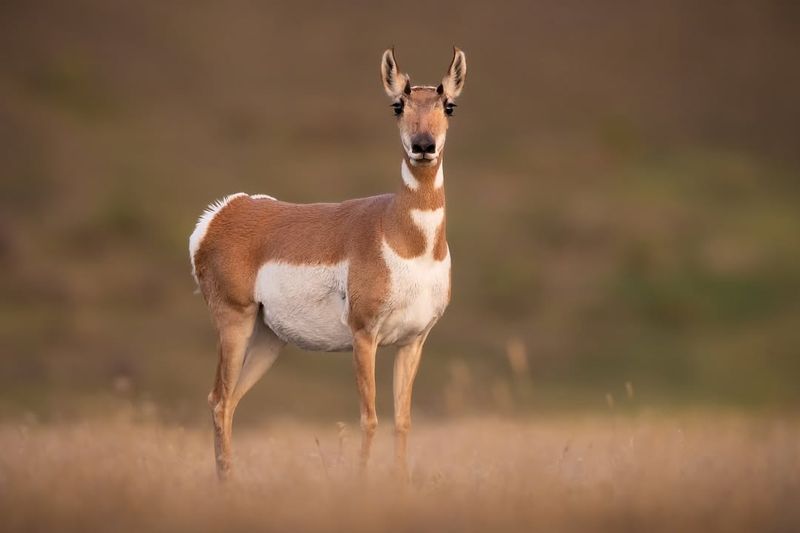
622, 179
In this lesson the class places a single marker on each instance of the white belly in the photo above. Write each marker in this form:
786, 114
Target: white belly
306, 305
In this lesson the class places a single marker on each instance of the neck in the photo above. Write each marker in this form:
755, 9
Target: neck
423, 186
421, 193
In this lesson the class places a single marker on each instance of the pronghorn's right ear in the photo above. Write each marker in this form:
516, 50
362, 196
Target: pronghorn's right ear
395, 83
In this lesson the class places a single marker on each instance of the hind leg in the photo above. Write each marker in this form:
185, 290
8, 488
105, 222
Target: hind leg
235, 327
263, 350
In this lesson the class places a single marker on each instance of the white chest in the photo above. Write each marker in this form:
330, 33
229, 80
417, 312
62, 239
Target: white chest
419, 286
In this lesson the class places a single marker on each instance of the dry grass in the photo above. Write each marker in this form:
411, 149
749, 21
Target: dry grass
622, 197
647, 473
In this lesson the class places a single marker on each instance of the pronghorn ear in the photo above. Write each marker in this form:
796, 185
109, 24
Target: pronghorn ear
453, 81
395, 82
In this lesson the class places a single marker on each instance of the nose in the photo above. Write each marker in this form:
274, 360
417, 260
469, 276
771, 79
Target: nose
423, 144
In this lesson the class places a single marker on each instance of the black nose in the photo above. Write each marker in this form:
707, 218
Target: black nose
423, 144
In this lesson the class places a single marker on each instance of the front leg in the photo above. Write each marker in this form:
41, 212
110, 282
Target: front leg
406, 363
364, 347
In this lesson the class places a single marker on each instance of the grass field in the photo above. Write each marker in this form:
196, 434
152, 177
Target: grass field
697, 472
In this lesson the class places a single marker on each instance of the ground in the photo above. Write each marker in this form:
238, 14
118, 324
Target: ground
644, 472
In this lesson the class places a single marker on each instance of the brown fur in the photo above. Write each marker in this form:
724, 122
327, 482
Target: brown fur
248, 232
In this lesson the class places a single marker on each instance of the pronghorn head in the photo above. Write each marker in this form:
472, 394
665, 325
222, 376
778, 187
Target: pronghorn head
422, 111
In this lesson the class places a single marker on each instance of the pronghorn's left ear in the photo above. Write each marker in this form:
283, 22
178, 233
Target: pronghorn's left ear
395, 83
453, 81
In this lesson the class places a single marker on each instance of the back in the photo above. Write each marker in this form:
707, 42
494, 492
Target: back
247, 232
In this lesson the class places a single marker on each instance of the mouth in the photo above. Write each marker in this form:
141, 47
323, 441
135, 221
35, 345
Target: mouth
422, 159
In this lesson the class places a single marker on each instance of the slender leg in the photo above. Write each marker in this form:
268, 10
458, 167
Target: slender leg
406, 363
364, 347
263, 350
235, 326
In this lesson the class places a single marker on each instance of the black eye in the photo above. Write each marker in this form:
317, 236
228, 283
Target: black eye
398, 108
449, 107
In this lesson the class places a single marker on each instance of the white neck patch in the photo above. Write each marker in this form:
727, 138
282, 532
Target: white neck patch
428, 221
438, 181
408, 178
413, 183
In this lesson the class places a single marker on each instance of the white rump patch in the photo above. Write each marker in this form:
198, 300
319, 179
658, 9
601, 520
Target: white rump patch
306, 305
419, 286
201, 228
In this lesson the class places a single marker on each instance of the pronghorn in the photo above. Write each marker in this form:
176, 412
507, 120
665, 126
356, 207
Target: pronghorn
332, 277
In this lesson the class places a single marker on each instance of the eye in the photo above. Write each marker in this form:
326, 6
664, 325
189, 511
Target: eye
398, 108
449, 107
